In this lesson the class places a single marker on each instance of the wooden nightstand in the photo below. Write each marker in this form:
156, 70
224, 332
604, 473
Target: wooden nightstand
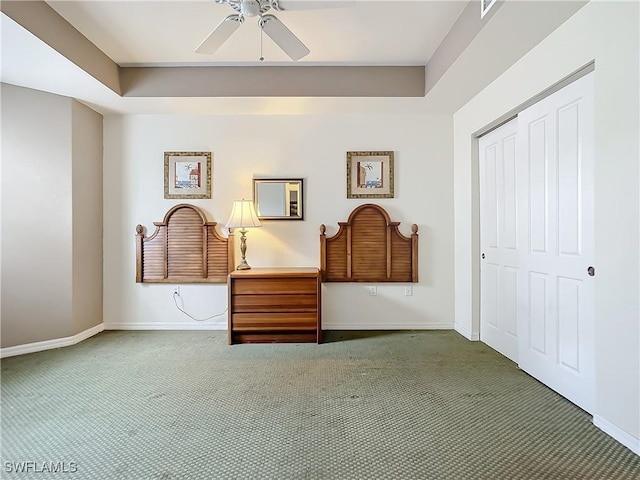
275, 305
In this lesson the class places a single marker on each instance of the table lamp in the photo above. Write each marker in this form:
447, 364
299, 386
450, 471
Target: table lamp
243, 216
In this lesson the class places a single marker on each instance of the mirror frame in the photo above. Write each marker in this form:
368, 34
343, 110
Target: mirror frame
299, 181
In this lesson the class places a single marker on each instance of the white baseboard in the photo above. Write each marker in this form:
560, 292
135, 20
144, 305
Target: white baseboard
166, 326
620, 435
50, 344
466, 333
374, 326
223, 326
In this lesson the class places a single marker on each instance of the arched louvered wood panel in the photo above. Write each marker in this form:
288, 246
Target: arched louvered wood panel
184, 248
185, 242
369, 247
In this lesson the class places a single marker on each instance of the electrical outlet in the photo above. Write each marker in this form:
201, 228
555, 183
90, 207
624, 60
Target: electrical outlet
408, 290
373, 291
176, 290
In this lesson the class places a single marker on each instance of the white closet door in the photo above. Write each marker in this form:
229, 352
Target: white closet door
556, 230
499, 239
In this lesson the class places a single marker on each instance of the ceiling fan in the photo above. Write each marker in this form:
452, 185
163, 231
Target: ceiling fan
269, 24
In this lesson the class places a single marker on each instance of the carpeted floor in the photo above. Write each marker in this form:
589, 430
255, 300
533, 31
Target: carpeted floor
375, 405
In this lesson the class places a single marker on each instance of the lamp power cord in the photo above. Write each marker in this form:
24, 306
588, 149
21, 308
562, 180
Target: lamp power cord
176, 294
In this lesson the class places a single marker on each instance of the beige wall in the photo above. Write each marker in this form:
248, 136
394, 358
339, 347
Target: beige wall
87, 217
36, 216
38, 198
310, 146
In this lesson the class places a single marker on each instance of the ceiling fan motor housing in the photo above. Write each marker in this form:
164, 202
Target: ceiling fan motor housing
250, 8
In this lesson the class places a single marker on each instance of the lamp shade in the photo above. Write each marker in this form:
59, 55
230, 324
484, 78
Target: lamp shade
243, 215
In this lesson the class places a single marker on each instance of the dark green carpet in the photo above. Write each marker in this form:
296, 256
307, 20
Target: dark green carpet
377, 405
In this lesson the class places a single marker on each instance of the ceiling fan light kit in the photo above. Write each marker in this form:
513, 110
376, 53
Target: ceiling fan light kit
268, 23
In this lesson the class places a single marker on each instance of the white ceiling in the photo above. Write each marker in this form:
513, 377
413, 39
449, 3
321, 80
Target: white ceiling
166, 32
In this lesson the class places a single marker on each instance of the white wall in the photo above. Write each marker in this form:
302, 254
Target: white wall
608, 33
309, 146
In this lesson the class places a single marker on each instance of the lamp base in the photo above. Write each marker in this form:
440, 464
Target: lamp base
243, 265
243, 250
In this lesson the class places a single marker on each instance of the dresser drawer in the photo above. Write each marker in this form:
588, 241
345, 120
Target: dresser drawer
274, 303
275, 337
274, 286
274, 322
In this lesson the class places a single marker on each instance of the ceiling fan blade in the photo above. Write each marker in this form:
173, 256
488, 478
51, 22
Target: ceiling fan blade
219, 35
289, 5
284, 38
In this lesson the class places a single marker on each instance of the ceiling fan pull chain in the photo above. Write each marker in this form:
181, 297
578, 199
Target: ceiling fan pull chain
261, 35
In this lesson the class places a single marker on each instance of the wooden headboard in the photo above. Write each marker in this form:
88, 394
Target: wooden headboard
369, 248
185, 248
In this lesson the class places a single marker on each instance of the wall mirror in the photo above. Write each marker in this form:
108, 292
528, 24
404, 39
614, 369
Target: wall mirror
278, 198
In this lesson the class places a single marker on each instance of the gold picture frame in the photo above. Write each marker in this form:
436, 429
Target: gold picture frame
187, 175
370, 175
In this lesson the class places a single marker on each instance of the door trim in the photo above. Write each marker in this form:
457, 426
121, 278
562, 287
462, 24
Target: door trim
513, 113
